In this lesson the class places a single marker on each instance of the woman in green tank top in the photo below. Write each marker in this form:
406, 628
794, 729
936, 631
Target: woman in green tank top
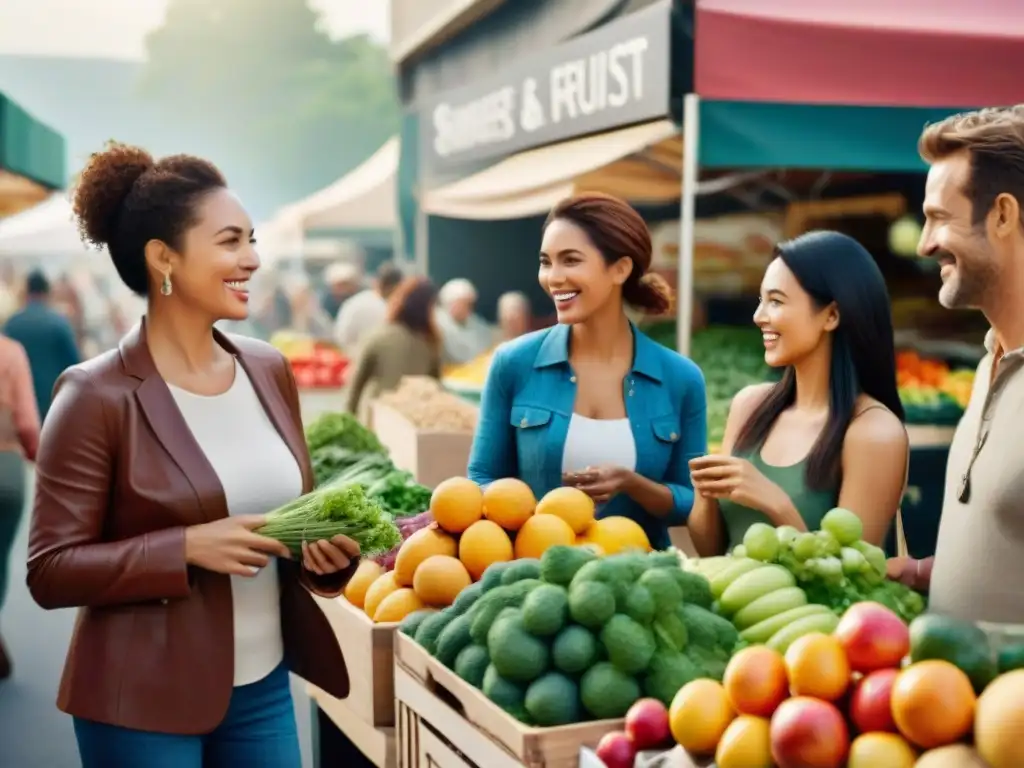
831, 432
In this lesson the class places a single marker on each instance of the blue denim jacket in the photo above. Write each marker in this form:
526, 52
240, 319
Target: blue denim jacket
528, 401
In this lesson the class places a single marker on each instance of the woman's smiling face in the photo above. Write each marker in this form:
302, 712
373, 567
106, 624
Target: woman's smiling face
791, 322
575, 274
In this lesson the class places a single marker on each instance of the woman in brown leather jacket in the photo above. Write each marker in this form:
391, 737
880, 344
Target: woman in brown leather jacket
157, 462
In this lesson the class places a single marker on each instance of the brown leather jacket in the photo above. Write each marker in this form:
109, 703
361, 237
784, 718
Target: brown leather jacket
119, 478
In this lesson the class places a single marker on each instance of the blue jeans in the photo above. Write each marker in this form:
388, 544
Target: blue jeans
259, 731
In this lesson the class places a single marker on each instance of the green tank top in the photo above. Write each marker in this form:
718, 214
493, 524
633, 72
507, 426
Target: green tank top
811, 504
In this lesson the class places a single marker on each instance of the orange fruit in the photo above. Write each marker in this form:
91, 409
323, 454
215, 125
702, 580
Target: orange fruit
541, 532
746, 743
570, 504
483, 543
699, 715
456, 504
616, 534
509, 502
999, 721
756, 681
439, 579
873, 750
933, 703
381, 588
817, 667
397, 606
425, 543
367, 573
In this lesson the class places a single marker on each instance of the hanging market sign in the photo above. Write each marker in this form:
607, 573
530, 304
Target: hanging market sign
615, 76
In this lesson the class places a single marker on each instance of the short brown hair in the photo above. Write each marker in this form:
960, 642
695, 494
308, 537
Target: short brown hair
994, 137
617, 230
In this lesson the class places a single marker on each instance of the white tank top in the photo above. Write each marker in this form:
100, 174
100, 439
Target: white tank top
258, 473
598, 442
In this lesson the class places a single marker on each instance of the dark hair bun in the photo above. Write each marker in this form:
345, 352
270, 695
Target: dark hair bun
103, 186
651, 293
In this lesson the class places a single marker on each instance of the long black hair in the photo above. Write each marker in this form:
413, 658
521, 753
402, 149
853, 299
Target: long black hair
833, 267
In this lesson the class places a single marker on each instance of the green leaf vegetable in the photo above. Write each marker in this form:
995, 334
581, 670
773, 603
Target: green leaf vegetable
328, 512
395, 489
342, 430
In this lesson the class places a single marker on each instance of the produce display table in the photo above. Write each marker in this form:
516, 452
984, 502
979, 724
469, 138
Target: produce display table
922, 504
367, 716
443, 722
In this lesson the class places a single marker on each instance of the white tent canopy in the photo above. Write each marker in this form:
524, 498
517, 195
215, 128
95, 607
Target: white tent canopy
45, 230
363, 199
627, 162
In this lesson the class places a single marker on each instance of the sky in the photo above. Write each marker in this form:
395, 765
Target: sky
116, 28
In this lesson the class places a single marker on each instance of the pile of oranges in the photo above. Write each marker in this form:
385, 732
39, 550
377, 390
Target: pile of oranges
825, 705
475, 527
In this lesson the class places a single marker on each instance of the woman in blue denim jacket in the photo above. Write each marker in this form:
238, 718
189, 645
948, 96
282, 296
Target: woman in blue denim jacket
593, 402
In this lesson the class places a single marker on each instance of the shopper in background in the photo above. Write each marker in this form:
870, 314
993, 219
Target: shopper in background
408, 345
367, 311
47, 337
344, 280
831, 432
464, 334
19, 440
593, 402
974, 229
307, 316
515, 317
156, 465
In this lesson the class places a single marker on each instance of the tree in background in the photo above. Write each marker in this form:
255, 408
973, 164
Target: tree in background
260, 88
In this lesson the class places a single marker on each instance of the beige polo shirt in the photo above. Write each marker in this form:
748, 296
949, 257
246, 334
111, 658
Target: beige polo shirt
979, 558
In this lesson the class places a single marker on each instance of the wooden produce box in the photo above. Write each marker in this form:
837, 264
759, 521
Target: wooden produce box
430, 456
369, 656
376, 744
445, 722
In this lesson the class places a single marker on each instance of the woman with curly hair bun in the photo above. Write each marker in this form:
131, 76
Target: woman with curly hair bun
156, 465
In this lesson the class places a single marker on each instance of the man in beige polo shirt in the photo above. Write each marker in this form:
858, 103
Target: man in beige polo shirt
974, 228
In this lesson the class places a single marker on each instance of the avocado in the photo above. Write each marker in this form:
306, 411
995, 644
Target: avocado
1011, 657
960, 643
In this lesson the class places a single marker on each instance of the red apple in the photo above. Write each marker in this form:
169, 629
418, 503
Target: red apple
647, 724
871, 702
874, 637
616, 750
808, 733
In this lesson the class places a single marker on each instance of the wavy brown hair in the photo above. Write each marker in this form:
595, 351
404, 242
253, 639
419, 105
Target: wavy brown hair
994, 137
616, 229
412, 304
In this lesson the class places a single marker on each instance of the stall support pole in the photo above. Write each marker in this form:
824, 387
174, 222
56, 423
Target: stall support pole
691, 169
422, 240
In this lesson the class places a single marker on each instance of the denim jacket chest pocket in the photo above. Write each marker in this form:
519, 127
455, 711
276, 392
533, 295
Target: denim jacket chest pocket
662, 437
533, 440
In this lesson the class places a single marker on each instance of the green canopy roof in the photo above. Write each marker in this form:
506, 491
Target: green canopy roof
29, 148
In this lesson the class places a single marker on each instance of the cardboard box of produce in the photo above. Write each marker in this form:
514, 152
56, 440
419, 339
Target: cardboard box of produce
369, 655
444, 721
428, 433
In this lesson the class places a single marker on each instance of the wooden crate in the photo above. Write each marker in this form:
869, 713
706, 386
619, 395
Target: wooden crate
369, 656
443, 721
430, 456
377, 744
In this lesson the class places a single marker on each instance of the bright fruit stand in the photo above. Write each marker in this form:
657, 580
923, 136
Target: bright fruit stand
505, 630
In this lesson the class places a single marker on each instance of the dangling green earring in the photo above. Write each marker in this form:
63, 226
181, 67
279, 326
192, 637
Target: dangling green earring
165, 286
